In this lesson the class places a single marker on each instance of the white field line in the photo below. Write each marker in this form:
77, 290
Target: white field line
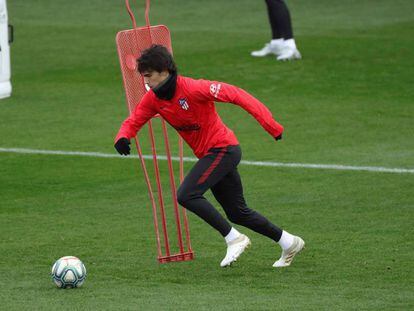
188, 159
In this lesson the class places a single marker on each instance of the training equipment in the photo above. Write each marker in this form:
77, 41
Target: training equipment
6, 37
68, 272
287, 255
234, 249
130, 44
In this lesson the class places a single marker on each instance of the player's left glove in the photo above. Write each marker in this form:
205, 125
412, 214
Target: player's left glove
122, 146
278, 137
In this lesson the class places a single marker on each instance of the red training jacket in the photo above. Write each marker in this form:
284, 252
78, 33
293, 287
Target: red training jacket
192, 113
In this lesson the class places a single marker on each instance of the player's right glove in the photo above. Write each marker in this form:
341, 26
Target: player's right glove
122, 146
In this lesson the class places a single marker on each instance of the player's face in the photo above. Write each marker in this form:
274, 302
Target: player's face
153, 78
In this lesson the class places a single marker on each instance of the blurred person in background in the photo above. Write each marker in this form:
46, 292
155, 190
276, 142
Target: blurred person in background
283, 44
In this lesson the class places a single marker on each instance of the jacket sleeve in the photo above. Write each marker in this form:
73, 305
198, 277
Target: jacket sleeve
223, 92
142, 113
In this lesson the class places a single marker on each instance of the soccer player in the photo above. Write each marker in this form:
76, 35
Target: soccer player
188, 106
282, 44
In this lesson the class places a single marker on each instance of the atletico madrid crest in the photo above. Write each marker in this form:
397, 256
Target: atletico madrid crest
183, 103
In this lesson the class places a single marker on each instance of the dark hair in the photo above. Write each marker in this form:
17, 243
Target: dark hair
156, 58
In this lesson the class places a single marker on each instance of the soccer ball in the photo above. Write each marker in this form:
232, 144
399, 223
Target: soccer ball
68, 272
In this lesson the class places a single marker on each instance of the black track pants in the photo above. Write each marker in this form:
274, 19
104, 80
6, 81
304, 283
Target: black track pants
279, 18
218, 171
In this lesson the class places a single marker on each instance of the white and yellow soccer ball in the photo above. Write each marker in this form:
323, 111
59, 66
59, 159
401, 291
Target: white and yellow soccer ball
68, 272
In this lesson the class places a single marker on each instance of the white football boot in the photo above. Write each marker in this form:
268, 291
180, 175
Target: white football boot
287, 255
289, 54
234, 249
272, 48
288, 51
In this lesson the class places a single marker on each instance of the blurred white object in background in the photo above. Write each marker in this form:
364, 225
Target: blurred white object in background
6, 35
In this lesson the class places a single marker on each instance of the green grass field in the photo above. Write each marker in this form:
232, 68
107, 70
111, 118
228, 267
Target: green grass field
350, 101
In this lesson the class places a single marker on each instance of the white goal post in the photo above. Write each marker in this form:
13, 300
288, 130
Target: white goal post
6, 36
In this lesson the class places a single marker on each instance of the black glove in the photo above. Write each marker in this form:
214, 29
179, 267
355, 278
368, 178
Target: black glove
278, 137
122, 146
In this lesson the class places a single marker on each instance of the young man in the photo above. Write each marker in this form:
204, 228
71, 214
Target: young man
282, 44
188, 106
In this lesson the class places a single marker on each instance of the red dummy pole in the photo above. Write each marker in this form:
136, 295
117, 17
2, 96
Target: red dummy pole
130, 44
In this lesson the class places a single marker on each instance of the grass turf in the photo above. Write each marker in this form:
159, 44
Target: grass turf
349, 101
